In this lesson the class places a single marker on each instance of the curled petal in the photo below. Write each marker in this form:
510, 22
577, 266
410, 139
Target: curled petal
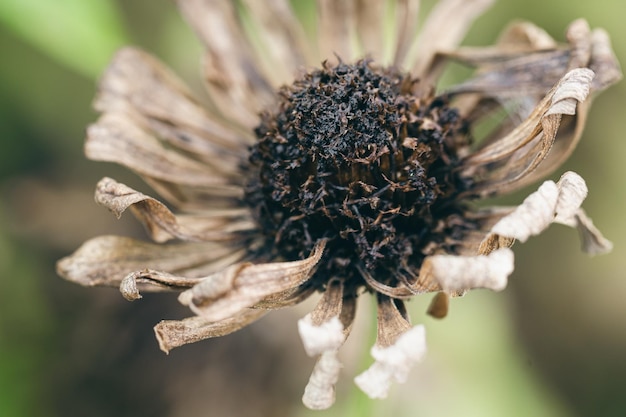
174, 333
320, 338
161, 223
106, 260
393, 363
319, 393
456, 274
240, 286
155, 280
524, 149
323, 331
592, 240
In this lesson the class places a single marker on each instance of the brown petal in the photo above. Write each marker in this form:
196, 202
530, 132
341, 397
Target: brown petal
456, 16
285, 40
174, 333
398, 347
155, 281
224, 294
136, 81
407, 13
336, 23
524, 149
370, 16
117, 137
106, 260
315, 337
234, 78
162, 224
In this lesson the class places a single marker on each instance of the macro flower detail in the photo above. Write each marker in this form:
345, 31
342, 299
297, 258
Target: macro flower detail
338, 166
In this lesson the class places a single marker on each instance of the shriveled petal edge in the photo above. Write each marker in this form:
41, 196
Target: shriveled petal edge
175, 333
240, 286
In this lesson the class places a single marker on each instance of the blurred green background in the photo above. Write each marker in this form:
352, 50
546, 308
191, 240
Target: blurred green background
552, 344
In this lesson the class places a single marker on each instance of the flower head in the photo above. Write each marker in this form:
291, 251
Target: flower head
339, 170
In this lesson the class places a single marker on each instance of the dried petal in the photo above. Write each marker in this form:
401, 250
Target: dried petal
106, 260
284, 37
174, 333
525, 148
393, 363
323, 331
320, 338
456, 16
234, 80
407, 13
136, 81
336, 23
155, 281
456, 274
162, 224
240, 286
319, 393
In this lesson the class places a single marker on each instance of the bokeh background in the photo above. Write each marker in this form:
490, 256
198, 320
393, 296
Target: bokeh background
552, 344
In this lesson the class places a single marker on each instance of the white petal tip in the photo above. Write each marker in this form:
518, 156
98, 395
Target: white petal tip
393, 363
318, 339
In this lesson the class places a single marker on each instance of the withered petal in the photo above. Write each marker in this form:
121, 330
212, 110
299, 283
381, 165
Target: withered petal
118, 137
456, 274
369, 19
106, 260
456, 16
552, 203
393, 362
319, 393
406, 23
154, 281
520, 152
285, 40
174, 333
240, 286
233, 74
336, 22
163, 225
138, 82
323, 332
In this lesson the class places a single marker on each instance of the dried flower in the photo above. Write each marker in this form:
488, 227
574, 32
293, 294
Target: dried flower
355, 177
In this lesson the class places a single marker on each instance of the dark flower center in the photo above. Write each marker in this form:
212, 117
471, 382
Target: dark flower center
351, 155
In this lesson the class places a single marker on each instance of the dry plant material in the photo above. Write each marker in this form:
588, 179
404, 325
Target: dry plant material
335, 166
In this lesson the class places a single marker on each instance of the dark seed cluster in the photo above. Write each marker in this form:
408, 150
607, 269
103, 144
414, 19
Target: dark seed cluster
351, 155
